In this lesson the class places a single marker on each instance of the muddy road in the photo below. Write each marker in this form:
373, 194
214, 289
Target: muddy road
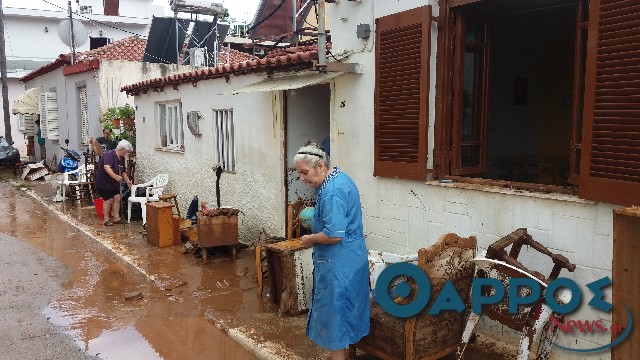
59, 274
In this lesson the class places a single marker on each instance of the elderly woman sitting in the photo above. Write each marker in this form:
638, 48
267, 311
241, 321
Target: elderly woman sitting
111, 172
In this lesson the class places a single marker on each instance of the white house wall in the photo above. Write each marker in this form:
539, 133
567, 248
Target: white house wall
401, 216
15, 89
257, 187
103, 90
114, 74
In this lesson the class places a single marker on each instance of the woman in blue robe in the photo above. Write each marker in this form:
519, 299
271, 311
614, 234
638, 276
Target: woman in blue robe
339, 311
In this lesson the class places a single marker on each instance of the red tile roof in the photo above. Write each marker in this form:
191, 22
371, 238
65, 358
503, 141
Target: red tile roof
281, 59
128, 49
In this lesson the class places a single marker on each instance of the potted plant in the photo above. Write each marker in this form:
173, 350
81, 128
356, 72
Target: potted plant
110, 118
127, 114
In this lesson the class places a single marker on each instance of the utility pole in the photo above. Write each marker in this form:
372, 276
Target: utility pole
73, 38
3, 79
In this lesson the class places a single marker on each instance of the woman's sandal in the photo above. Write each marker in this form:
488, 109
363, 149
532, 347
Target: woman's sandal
108, 223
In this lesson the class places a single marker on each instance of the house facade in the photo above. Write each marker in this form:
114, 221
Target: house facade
226, 116
32, 40
78, 94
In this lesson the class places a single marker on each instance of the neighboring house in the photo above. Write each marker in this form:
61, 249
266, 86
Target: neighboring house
76, 95
32, 40
194, 122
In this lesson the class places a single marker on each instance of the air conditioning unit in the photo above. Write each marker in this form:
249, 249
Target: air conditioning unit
196, 7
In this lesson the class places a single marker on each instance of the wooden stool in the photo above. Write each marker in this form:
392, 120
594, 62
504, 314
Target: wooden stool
172, 197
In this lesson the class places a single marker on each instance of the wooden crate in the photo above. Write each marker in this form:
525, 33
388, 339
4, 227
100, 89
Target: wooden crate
161, 229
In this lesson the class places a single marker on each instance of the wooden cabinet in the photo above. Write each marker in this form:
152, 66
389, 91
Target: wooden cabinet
221, 230
626, 279
161, 229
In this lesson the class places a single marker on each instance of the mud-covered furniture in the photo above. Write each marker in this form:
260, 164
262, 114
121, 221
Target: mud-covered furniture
161, 230
218, 227
290, 268
501, 263
293, 231
426, 336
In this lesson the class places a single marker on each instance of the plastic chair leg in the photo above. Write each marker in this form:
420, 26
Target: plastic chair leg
128, 211
144, 212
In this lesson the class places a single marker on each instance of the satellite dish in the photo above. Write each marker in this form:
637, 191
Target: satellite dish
79, 32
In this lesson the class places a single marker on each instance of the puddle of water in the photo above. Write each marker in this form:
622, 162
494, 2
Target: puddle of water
92, 306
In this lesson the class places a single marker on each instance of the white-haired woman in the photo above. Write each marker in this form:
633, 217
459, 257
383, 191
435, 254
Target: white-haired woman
111, 172
339, 312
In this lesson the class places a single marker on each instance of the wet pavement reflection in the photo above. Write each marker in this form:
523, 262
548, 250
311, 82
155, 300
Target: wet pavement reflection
163, 324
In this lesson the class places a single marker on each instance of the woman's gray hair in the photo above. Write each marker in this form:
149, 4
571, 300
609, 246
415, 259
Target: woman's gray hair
124, 145
311, 153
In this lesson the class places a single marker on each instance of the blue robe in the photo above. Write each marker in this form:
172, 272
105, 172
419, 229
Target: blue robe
339, 312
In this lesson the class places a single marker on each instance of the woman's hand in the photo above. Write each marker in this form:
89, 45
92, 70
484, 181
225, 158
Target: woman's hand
307, 241
118, 178
129, 184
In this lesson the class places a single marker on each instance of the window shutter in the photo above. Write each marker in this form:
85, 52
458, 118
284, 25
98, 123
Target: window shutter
610, 164
29, 124
403, 44
49, 115
84, 115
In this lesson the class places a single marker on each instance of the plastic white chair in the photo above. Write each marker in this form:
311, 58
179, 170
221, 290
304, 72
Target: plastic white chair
80, 175
154, 188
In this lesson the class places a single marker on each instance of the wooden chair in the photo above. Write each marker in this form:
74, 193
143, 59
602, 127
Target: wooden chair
530, 319
293, 231
426, 336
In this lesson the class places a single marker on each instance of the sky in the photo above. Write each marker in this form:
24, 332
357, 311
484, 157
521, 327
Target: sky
240, 10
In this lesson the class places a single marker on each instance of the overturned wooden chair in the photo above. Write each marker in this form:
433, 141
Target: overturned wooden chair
426, 336
530, 319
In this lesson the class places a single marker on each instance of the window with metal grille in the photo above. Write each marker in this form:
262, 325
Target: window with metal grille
171, 125
84, 115
224, 136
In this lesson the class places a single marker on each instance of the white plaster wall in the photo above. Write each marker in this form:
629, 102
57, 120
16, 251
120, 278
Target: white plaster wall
15, 89
27, 40
402, 216
114, 74
127, 8
257, 188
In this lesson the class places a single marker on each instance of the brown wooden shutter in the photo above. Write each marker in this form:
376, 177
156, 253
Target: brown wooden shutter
610, 164
111, 7
403, 43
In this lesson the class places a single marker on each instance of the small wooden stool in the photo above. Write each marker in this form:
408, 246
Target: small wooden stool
172, 197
